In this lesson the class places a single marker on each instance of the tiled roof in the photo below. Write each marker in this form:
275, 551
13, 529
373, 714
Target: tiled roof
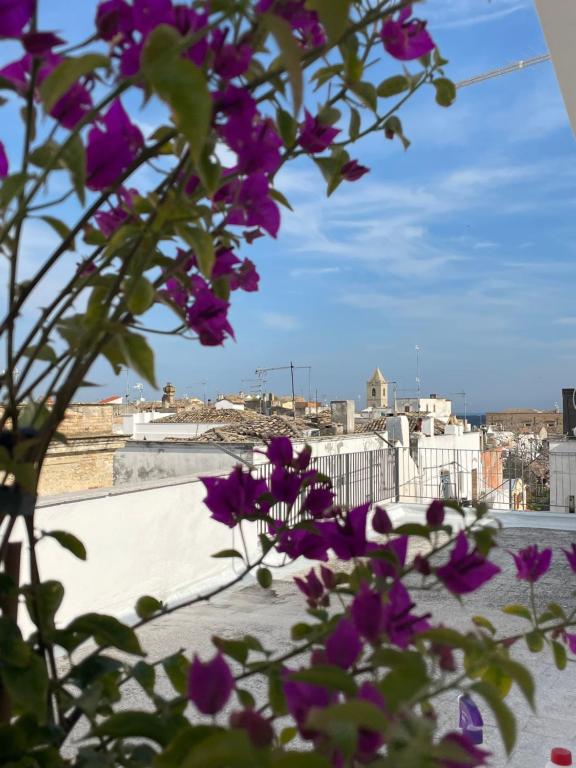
255, 431
208, 414
374, 425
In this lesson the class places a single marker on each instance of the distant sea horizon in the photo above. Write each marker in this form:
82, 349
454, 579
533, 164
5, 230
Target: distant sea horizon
474, 419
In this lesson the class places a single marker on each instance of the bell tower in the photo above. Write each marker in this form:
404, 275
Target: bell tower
377, 391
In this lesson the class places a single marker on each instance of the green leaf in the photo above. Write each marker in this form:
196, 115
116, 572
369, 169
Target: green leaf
290, 53
482, 621
180, 746
203, 245
288, 734
176, 667
74, 159
393, 86
41, 352
515, 609
139, 356
534, 641
413, 529
228, 553
392, 128
125, 725
66, 74
180, 84
276, 693
13, 650
145, 674
11, 187
264, 576
60, 228
147, 606
355, 123
279, 197
294, 759
334, 16
245, 698
445, 91
69, 542
406, 679
236, 649
367, 93
287, 127
225, 748
333, 678
42, 603
522, 677
107, 630
28, 687
362, 714
140, 295
557, 611
496, 676
560, 655
504, 717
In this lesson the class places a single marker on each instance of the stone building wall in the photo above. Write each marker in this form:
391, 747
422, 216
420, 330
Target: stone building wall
80, 464
528, 421
83, 419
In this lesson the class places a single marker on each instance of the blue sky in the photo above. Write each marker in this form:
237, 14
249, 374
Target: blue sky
463, 245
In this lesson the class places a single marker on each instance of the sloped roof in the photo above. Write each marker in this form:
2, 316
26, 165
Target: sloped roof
208, 414
257, 431
377, 375
374, 425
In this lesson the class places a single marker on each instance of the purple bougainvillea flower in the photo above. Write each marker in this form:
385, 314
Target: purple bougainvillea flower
397, 549
3, 162
328, 577
188, 21
176, 292
571, 556
304, 543
343, 646
366, 612
319, 502
210, 684
285, 485
348, 539
369, 742
570, 640
381, 522
531, 564
280, 451
472, 756
303, 21
114, 19
303, 459
253, 207
245, 277
259, 730
229, 60
465, 571
406, 38
72, 107
352, 170
109, 221
208, 316
18, 72
14, 15
301, 698
397, 620
40, 43
310, 586
234, 498
435, 514
224, 263
315, 136
130, 59
112, 148
149, 14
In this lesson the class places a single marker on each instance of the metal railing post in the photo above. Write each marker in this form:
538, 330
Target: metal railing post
397, 474
371, 469
347, 475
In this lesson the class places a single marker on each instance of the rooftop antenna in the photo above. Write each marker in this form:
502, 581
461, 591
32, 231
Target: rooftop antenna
417, 349
291, 368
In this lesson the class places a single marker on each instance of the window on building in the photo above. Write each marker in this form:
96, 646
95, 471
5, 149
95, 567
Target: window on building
447, 489
373, 391
406, 409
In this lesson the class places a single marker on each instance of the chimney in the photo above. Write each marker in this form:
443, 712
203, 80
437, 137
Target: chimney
343, 414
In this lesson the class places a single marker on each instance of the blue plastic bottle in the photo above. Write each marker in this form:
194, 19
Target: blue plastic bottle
471, 723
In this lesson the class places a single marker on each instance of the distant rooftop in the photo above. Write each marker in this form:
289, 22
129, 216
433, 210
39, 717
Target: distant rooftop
255, 430
208, 414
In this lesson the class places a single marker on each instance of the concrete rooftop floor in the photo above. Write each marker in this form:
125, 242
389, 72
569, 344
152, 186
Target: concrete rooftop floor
270, 614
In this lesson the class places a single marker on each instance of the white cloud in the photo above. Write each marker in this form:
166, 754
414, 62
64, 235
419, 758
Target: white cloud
280, 322
566, 321
449, 14
314, 271
484, 244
